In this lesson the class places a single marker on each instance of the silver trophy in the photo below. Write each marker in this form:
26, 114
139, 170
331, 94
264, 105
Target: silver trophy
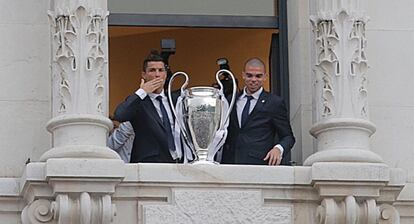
202, 114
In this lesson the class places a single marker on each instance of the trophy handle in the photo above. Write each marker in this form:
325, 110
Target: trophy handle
233, 99
179, 121
182, 90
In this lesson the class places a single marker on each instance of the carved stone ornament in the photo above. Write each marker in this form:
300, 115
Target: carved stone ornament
388, 215
328, 62
350, 211
341, 65
79, 53
211, 207
84, 209
342, 127
79, 60
37, 212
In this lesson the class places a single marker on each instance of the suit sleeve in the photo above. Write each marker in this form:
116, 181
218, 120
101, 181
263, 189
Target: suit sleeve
127, 110
120, 136
282, 124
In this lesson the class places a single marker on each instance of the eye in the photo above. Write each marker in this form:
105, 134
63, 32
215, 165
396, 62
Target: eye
151, 70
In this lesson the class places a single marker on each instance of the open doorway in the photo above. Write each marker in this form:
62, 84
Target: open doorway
197, 50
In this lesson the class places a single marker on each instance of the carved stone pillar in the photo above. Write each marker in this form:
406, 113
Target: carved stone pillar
80, 208
79, 80
357, 193
71, 191
342, 127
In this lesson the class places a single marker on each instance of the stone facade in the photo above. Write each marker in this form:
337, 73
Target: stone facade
168, 193
74, 178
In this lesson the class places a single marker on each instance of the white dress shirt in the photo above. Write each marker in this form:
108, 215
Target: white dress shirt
142, 94
242, 101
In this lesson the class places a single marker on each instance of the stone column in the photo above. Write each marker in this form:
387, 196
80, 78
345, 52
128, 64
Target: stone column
342, 127
79, 80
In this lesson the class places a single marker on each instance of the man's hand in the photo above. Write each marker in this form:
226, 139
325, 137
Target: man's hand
151, 85
273, 156
116, 125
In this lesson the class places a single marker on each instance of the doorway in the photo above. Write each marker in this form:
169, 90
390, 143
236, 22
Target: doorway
197, 50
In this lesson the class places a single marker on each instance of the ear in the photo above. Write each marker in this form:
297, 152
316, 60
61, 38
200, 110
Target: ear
144, 75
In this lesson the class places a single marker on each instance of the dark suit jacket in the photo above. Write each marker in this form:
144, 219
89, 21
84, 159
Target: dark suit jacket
251, 143
150, 143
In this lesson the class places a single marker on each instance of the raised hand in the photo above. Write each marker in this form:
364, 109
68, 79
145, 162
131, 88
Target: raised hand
152, 85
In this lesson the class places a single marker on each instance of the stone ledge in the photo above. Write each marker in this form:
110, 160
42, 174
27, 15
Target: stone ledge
11, 205
90, 168
273, 193
10, 199
9, 187
407, 193
361, 172
398, 177
405, 209
214, 174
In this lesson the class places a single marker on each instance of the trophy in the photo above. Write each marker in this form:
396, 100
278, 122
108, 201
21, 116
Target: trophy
201, 114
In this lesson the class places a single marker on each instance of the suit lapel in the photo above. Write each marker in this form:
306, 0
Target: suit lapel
152, 111
235, 121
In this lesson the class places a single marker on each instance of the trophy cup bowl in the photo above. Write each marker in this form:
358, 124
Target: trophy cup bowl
201, 116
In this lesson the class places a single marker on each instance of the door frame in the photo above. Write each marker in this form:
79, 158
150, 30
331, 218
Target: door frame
210, 21
278, 57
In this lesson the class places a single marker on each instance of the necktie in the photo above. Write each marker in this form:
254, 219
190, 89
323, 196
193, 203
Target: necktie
245, 112
167, 125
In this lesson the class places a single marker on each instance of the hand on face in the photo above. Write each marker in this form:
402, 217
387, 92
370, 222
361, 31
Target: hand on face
152, 85
154, 77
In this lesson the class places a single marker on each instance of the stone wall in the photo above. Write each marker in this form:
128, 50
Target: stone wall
390, 47
84, 182
25, 92
388, 31
169, 193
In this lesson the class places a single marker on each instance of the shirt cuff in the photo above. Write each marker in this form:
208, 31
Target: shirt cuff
141, 93
280, 147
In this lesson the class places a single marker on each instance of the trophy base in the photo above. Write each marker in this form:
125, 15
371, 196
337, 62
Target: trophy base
202, 162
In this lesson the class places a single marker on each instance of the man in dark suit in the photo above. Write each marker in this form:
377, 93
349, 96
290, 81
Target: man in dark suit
149, 112
257, 118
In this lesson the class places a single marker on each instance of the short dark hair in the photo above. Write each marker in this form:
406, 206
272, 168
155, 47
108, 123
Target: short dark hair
256, 62
153, 56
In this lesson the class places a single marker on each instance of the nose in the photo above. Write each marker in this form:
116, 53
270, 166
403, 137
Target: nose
157, 73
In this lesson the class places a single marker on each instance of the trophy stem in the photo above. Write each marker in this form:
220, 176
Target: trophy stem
202, 154
202, 157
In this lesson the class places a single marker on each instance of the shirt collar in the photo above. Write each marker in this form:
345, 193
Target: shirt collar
255, 95
153, 96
